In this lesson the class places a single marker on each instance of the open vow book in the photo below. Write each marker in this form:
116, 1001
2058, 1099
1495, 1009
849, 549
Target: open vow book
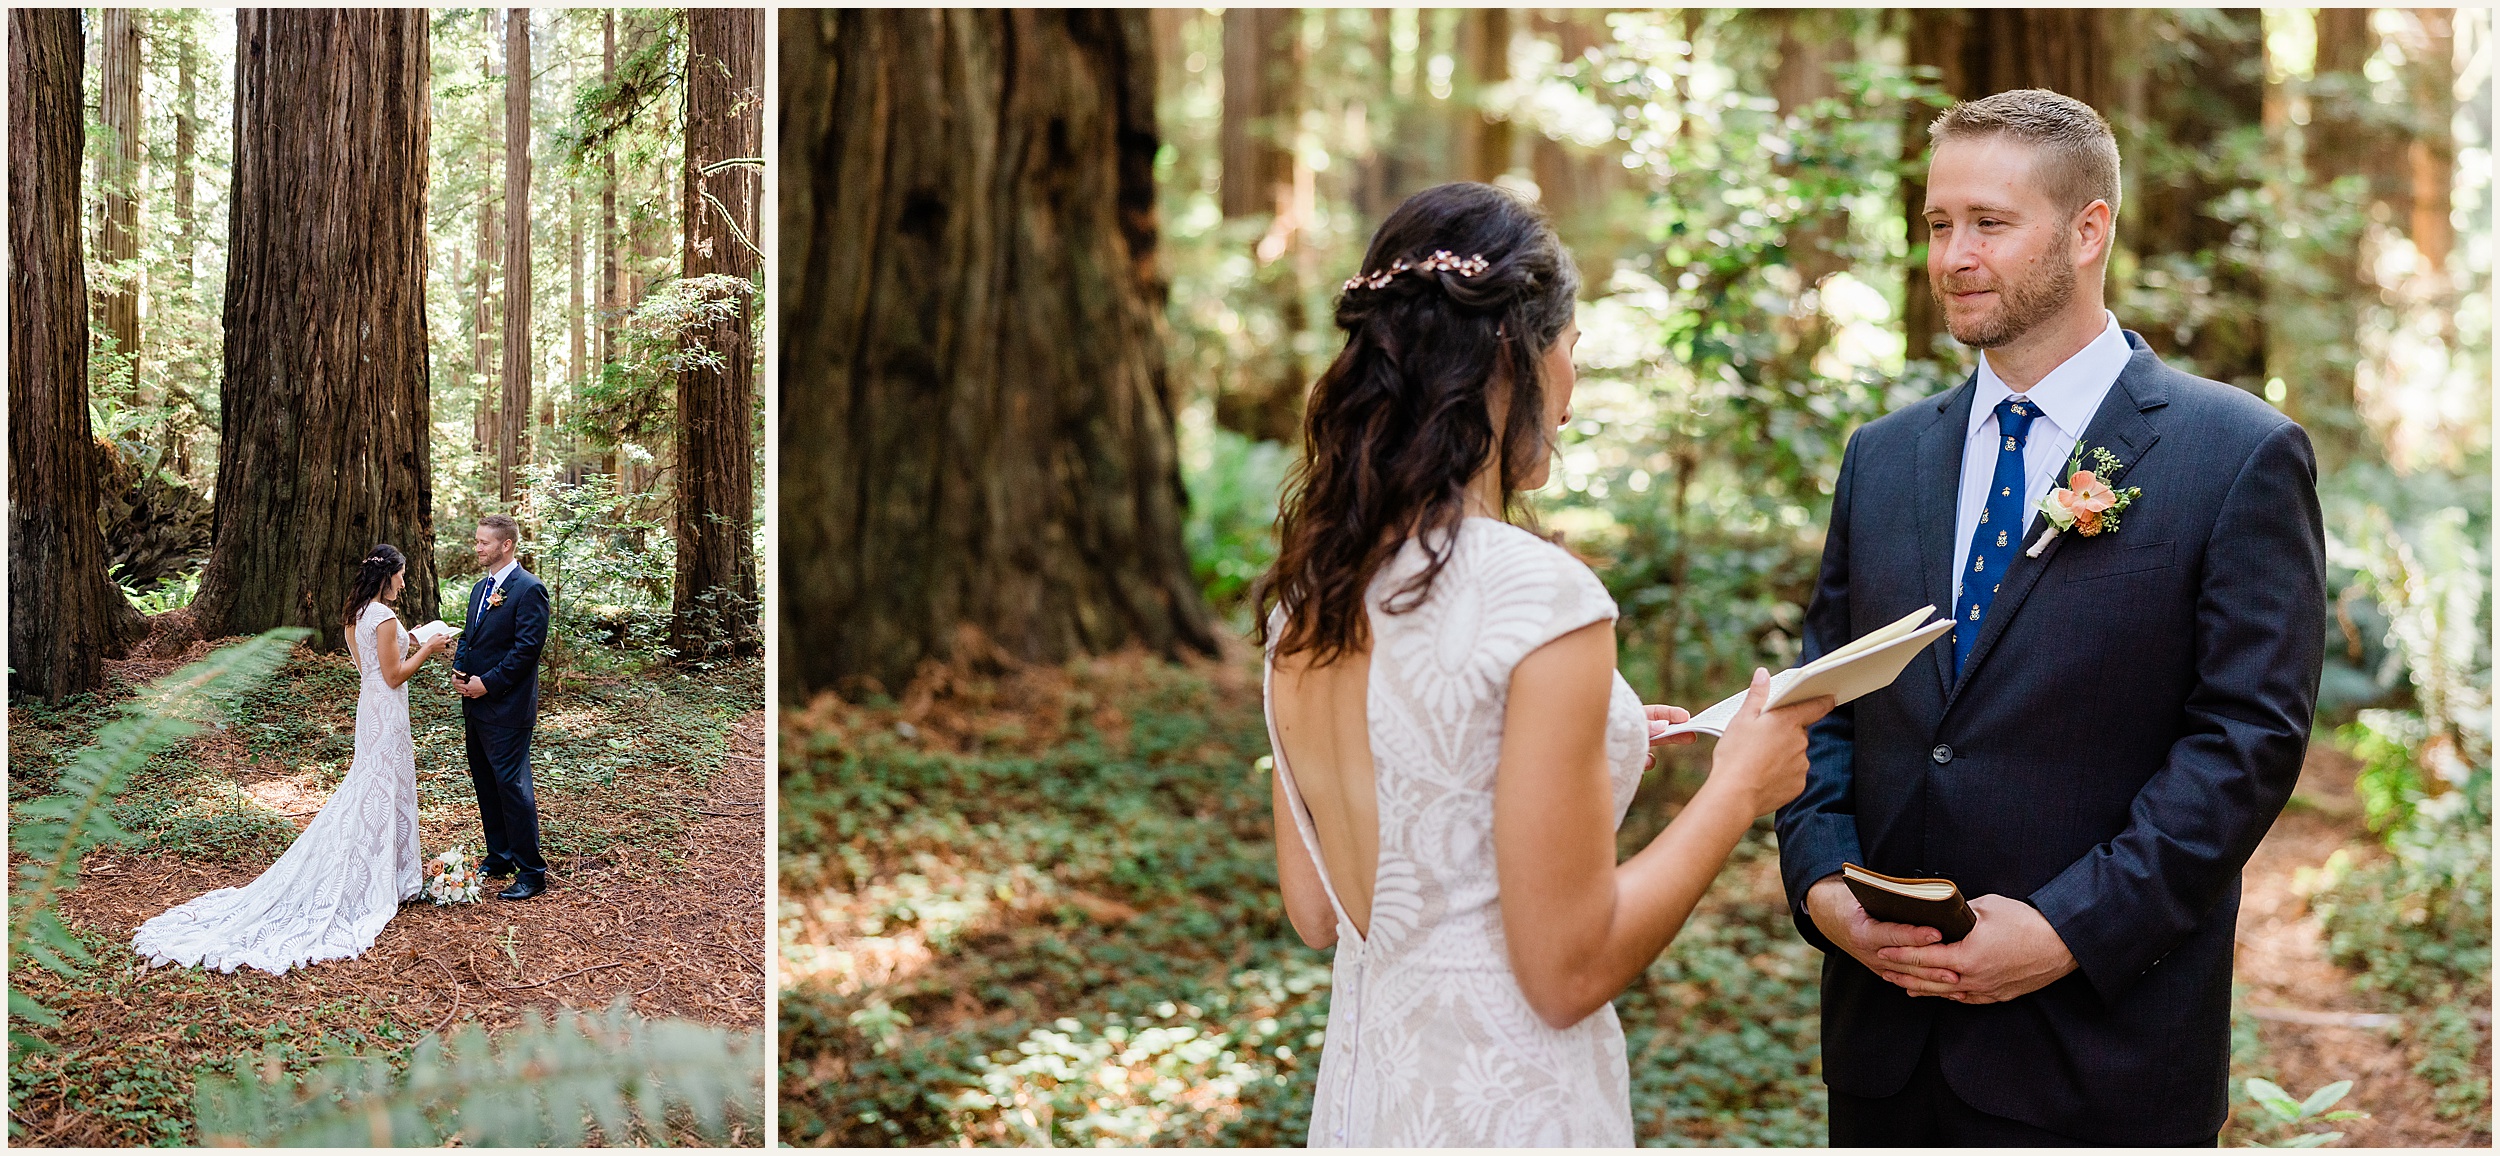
1862, 667
433, 630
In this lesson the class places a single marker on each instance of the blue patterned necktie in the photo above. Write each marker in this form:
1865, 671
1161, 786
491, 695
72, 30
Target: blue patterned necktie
1992, 545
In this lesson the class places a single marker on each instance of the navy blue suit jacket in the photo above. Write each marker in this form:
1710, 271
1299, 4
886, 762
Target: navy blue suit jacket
501, 646
2130, 724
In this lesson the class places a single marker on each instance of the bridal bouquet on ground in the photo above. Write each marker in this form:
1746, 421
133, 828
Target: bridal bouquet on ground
454, 880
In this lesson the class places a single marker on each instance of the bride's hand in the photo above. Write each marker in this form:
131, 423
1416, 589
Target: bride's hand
1670, 715
1762, 756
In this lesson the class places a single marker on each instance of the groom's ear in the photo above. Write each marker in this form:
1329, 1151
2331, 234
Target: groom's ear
2095, 227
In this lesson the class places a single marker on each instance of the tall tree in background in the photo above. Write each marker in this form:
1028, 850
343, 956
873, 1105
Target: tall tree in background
724, 198
1483, 141
1980, 52
65, 615
610, 290
513, 441
977, 437
1260, 175
324, 450
186, 143
2202, 111
488, 432
118, 68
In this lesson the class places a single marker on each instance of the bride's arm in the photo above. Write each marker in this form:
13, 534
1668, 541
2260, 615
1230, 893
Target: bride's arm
1580, 926
396, 670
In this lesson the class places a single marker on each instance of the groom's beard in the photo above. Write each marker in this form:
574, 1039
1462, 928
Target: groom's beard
2020, 304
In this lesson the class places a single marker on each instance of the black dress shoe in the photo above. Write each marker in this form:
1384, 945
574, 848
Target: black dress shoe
523, 887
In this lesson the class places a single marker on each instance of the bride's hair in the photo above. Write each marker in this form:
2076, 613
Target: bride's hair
373, 575
1464, 289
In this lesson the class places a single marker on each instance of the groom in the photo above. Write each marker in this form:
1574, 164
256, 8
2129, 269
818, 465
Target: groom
496, 673
2118, 716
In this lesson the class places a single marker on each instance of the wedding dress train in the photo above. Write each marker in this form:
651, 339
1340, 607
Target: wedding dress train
344, 877
1430, 1040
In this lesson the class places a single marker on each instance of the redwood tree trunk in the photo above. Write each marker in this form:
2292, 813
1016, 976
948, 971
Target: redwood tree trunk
186, 143
324, 450
976, 431
117, 174
610, 289
514, 441
716, 585
2203, 90
65, 615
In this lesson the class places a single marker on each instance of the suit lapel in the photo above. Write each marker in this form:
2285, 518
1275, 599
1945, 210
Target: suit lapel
2119, 425
1939, 496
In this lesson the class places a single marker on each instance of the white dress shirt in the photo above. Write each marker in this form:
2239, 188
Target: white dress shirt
2067, 397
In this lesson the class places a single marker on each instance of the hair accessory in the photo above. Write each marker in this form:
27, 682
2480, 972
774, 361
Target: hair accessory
1441, 261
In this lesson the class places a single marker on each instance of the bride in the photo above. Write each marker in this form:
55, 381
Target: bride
329, 895
1453, 746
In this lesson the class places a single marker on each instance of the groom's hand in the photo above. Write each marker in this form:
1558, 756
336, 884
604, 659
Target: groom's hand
2011, 952
471, 686
1837, 915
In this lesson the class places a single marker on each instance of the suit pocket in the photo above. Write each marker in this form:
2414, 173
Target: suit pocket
2126, 559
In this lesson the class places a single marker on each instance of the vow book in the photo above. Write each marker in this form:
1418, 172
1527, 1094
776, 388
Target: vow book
433, 630
1862, 667
1933, 903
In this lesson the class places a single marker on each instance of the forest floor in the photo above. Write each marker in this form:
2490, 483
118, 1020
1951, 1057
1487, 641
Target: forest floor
1038, 906
651, 799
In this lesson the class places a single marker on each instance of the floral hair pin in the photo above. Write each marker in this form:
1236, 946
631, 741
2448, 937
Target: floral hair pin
2085, 504
1441, 261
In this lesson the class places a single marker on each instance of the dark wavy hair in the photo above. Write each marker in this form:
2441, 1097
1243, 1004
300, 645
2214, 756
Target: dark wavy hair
373, 575
1402, 420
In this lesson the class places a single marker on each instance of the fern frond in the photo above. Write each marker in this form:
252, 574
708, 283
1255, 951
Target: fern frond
541, 1084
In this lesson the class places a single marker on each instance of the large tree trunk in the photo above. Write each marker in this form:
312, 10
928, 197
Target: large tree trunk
65, 616
486, 436
1982, 52
327, 417
1484, 143
1262, 97
514, 440
610, 289
2346, 134
2203, 88
118, 68
976, 433
716, 583
186, 145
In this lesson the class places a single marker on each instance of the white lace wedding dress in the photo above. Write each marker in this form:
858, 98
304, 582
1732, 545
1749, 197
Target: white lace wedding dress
1430, 1041
329, 895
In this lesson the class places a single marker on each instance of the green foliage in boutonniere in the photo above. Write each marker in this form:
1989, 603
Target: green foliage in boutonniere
2085, 504
494, 600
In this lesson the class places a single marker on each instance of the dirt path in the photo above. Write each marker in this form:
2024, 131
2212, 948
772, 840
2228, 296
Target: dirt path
2315, 1027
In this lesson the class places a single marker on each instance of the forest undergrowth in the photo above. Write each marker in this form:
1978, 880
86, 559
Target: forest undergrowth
1037, 906
650, 790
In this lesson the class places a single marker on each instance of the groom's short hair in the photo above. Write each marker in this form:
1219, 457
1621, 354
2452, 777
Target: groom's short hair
502, 525
2078, 153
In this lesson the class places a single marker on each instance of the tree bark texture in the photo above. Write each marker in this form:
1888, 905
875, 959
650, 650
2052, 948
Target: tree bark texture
514, 438
65, 615
118, 68
1484, 141
716, 597
1981, 52
327, 417
976, 432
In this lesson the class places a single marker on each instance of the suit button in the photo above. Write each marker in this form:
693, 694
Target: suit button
1942, 754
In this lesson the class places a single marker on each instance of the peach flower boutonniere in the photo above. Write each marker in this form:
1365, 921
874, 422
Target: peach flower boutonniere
494, 600
2085, 504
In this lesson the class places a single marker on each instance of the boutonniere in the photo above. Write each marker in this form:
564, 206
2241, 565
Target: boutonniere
2085, 504
494, 600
